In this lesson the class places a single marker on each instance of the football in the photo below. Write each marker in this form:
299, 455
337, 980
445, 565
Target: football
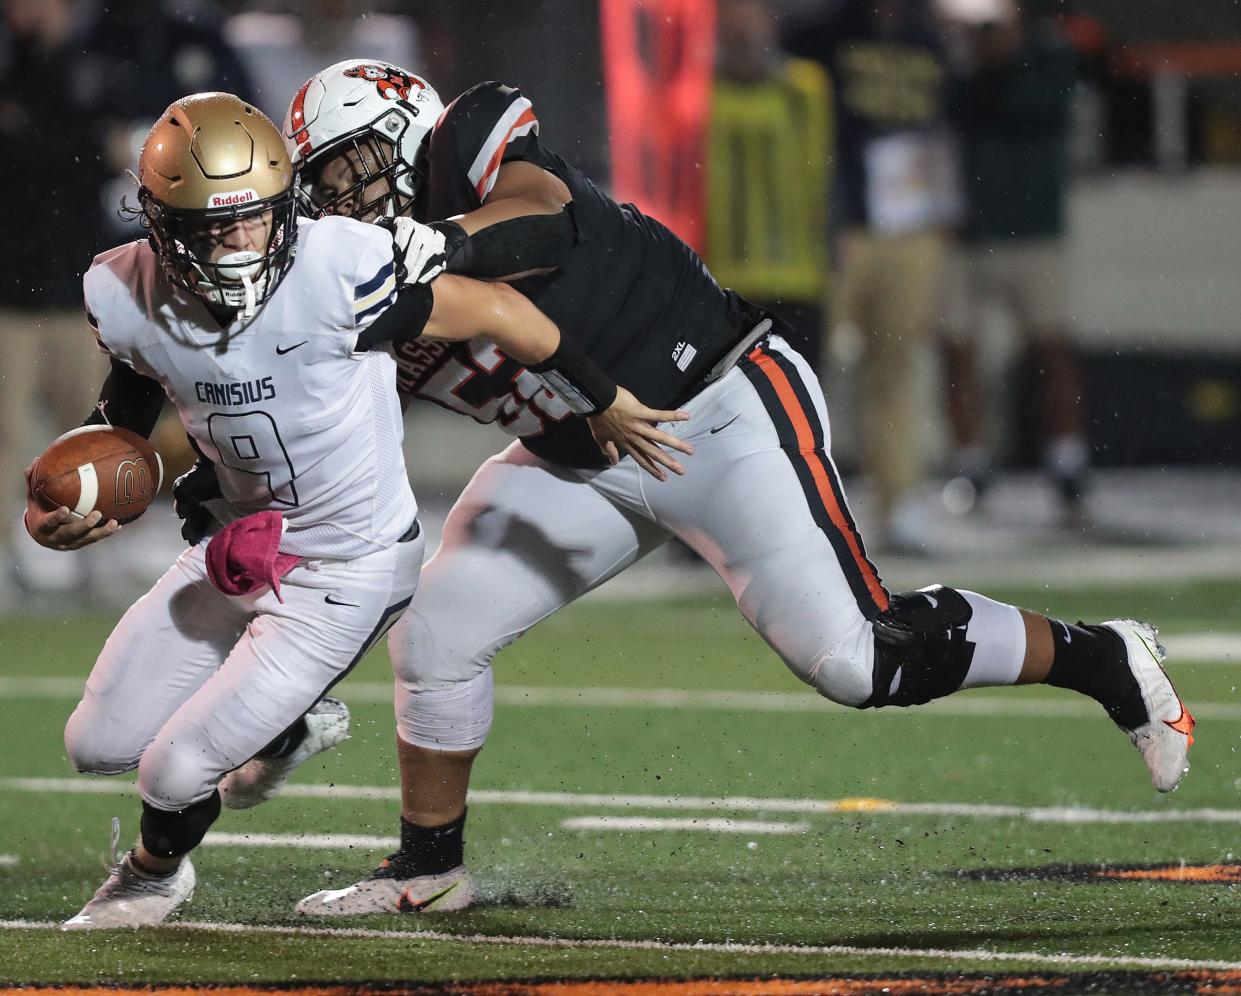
98, 467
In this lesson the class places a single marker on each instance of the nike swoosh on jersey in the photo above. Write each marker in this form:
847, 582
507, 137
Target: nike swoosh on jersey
721, 428
331, 601
289, 349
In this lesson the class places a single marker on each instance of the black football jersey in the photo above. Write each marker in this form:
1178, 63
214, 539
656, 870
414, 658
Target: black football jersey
636, 298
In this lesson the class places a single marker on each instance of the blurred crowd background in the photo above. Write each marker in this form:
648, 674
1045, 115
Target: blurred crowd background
1003, 231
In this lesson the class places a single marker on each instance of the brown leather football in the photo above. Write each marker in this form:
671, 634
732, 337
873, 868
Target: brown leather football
98, 467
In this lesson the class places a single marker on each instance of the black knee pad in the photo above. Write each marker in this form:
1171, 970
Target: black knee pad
169, 835
920, 637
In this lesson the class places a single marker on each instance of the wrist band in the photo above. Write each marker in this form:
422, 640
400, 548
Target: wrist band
576, 379
456, 239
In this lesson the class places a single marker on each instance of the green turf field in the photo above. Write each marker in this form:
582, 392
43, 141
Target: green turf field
575, 740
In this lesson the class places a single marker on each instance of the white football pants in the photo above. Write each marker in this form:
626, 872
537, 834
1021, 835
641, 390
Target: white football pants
193, 683
761, 502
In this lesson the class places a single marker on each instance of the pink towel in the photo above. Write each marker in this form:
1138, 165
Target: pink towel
245, 555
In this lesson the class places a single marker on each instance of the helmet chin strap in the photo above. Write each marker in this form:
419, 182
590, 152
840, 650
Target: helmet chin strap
239, 267
251, 298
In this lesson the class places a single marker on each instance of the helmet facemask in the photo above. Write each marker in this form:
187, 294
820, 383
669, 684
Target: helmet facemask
240, 280
380, 184
213, 171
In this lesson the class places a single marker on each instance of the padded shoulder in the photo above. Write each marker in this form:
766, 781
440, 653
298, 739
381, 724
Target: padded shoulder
478, 130
348, 267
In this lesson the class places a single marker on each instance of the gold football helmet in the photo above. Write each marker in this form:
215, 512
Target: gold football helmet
212, 164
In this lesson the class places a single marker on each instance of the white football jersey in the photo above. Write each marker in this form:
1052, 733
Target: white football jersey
293, 418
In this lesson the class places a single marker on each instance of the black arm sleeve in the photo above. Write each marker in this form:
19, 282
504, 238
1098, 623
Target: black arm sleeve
576, 378
403, 322
532, 242
128, 400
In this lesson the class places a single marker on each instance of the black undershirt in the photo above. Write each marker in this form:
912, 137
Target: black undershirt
128, 400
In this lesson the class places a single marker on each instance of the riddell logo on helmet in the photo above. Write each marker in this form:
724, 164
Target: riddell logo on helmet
232, 198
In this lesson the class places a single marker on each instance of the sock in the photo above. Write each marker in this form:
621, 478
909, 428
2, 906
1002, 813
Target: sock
428, 850
146, 872
1092, 660
286, 743
999, 636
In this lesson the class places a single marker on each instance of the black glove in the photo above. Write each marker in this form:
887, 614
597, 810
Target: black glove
190, 492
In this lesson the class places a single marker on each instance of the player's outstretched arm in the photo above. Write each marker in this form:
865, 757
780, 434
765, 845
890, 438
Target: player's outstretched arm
459, 309
619, 422
523, 228
467, 309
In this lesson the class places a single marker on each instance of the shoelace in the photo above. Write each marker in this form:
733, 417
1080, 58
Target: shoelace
113, 864
124, 877
393, 866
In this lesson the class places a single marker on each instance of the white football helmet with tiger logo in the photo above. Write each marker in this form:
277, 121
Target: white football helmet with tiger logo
376, 113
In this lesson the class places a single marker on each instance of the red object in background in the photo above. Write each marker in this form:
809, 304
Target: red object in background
659, 60
1190, 60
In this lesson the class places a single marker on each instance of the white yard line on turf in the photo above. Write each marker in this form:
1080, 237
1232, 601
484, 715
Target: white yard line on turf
722, 947
972, 703
9, 860
313, 841
713, 824
580, 800
1198, 647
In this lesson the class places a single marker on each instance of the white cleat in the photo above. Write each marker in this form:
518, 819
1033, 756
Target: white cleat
446, 893
132, 898
260, 778
1165, 738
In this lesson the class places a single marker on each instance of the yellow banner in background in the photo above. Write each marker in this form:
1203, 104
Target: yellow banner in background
767, 182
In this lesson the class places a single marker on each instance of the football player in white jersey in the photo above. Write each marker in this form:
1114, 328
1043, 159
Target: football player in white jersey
762, 501
268, 334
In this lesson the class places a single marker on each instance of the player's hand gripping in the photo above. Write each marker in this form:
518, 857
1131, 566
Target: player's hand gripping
630, 426
422, 250
59, 529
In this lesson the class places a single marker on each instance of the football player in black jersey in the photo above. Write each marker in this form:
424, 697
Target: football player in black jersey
549, 518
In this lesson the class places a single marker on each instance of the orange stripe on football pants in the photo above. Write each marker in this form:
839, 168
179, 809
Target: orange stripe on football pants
818, 470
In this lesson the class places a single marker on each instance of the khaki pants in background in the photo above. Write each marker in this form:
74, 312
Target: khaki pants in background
52, 368
888, 287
